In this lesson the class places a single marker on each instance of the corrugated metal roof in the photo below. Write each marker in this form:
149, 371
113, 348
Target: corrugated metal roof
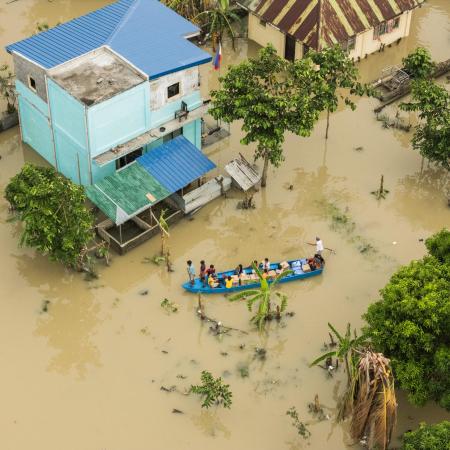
124, 194
338, 19
145, 32
160, 172
176, 163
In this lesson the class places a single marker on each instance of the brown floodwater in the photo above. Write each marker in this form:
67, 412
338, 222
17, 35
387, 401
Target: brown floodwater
86, 374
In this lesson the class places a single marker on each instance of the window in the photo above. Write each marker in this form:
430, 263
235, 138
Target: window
351, 43
173, 90
263, 23
386, 27
396, 22
169, 136
128, 159
32, 83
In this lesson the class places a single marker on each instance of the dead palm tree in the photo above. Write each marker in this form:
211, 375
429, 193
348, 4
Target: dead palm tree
218, 20
264, 295
370, 400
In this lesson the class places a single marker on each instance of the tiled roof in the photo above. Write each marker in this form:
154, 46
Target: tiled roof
338, 19
145, 32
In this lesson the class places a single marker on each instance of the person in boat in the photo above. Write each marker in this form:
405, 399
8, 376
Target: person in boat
319, 246
266, 264
203, 272
191, 272
265, 273
312, 264
213, 282
228, 282
211, 270
320, 262
239, 270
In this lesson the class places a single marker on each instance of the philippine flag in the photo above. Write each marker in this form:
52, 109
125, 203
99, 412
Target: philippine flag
218, 58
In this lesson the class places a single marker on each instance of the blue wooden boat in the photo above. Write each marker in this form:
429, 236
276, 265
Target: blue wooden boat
295, 265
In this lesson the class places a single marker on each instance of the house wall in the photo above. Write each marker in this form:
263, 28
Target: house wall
35, 122
69, 131
264, 34
119, 119
24, 68
365, 44
162, 108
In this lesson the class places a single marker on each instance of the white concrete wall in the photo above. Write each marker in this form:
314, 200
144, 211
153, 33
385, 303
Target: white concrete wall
189, 83
365, 43
262, 35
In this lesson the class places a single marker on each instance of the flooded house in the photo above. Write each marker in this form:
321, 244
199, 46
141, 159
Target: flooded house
361, 27
112, 100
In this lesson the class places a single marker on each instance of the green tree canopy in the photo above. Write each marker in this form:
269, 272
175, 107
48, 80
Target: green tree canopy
340, 78
432, 135
55, 218
438, 245
428, 437
411, 325
419, 64
271, 96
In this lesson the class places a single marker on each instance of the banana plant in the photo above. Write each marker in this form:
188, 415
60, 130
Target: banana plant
263, 295
345, 349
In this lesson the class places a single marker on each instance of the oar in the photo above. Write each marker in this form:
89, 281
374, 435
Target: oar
326, 248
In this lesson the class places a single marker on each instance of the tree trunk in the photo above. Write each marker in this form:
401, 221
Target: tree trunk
265, 169
328, 123
347, 368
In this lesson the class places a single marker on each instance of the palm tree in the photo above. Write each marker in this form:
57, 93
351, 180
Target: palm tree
264, 294
370, 400
187, 8
347, 345
218, 20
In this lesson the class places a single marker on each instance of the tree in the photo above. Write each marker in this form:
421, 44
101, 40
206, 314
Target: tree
438, 245
218, 21
428, 437
271, 96
187, 8
52, 208
370, 400
432, 135
213, 390
264, 294
339, 74
410, 324
419, 64
347, 346
7, 90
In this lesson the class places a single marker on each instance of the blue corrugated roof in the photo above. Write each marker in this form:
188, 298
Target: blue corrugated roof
176, 163
145, 32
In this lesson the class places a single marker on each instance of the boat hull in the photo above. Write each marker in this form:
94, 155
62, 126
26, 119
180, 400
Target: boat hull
198, 286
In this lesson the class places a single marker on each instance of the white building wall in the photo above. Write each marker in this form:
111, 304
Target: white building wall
366, 44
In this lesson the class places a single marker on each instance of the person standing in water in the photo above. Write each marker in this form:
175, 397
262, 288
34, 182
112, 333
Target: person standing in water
319, 246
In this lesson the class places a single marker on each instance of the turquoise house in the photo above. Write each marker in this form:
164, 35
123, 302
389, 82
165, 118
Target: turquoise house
99, 94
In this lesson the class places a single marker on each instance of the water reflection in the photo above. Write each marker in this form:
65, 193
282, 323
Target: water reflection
71, 319
209, 423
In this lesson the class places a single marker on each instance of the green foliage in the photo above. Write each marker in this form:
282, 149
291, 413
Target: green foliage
213, 390
346, 349
432, 135
339, 77
428, 437
411, 325
169, 306
438, 245
271, 96
419, 64
7, 90
187, 8
301, 427
218, 20
52, 208
263, 295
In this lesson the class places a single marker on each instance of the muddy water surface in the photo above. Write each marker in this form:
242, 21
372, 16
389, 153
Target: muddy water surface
86, 374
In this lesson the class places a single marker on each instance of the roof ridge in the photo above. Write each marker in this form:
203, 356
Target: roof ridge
122, 21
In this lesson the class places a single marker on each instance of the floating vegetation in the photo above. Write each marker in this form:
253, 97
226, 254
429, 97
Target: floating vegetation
358, 149
301, 427
44, 307
342, 223
169, 306
145, 331
380, 193
397, 122
243, 370
260, 353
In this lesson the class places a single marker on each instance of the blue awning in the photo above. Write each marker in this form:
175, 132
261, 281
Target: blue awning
176, 163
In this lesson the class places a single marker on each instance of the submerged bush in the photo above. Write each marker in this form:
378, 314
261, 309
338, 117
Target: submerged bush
428, 437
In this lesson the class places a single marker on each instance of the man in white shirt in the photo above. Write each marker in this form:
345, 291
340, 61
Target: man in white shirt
319, 246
